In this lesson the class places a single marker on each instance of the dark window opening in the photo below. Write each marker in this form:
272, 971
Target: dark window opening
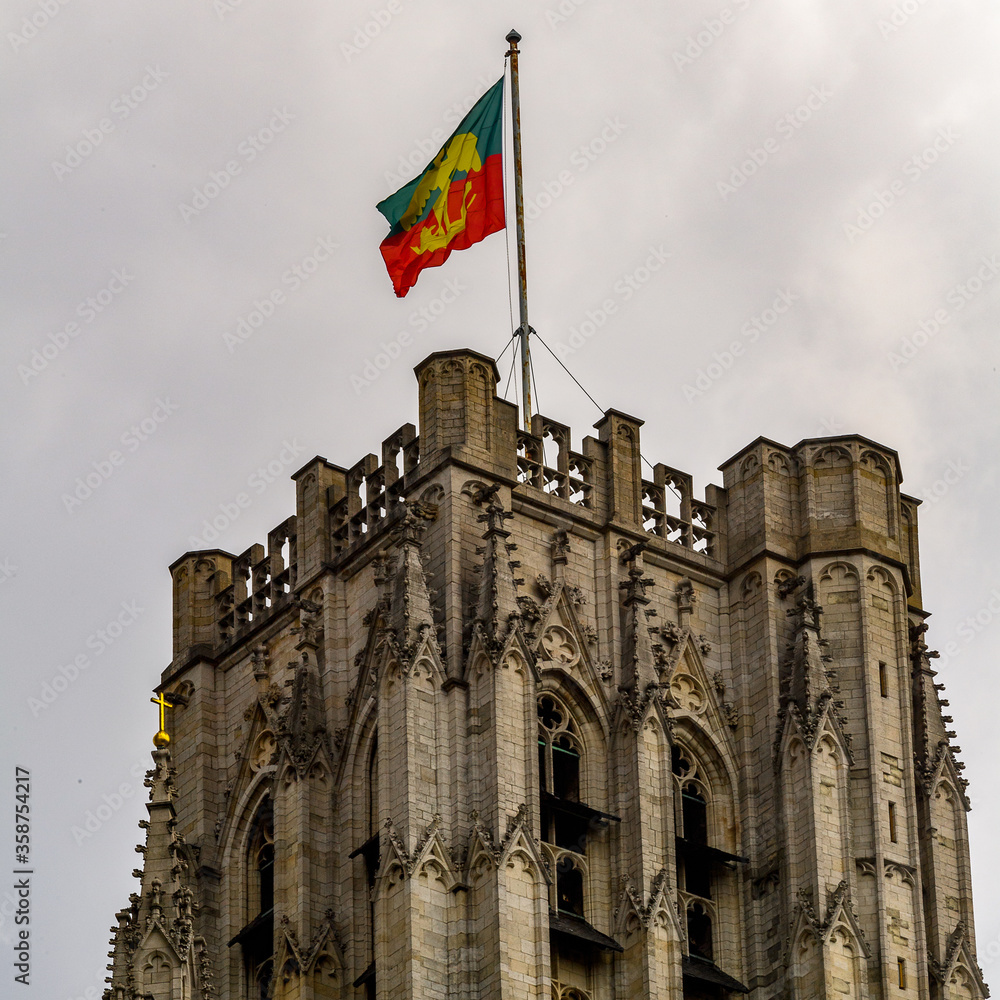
372, 855
699, 927
571, 832
256, 939
695, 816
892, 822
698, 879
373, 823
565, 770
569, 887
265, 877
883, 680
263, 978
549, 714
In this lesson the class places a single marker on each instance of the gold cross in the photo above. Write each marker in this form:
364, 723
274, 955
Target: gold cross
162, 738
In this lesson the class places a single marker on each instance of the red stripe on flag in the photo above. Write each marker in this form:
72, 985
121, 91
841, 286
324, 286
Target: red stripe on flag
483, 195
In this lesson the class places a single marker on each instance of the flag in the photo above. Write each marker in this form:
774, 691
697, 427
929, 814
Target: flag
455, 202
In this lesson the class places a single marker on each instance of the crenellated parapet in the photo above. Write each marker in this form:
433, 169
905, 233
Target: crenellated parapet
221, 598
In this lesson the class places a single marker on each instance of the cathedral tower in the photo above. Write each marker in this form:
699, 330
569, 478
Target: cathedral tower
492, 719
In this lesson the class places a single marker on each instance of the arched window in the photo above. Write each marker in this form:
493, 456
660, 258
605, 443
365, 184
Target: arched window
260, 863
569, 887
706, 871
558, 751
695, 867
370, 853
694, 810
265, 877
570, 829
699, 928
262, 983
257, 937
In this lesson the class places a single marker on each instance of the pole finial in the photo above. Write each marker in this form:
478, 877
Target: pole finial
162, 738
512, 37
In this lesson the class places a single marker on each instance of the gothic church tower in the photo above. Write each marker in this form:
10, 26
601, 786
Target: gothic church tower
492, 719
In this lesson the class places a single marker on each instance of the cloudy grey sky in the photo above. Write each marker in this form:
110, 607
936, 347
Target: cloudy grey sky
168, 168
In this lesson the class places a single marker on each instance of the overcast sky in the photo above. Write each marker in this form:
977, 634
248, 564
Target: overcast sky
169, 169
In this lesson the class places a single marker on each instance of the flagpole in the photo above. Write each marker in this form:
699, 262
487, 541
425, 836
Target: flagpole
522, 272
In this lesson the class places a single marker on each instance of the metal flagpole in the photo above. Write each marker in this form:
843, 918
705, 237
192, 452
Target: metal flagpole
522, 274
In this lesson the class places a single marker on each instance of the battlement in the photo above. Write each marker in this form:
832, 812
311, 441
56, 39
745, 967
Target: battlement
822, 494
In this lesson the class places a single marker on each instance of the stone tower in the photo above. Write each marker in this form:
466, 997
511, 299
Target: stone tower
492, 719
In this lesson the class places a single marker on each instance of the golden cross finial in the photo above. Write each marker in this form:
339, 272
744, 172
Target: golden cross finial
162, 738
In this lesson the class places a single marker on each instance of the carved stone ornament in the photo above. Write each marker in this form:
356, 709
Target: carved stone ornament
789, 584
671, 633
264, 749
687, 693
559, 646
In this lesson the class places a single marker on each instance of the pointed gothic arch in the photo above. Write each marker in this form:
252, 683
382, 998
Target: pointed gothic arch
709, 773
572, 779
577, 727
709, 866
360, 773
252, 861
